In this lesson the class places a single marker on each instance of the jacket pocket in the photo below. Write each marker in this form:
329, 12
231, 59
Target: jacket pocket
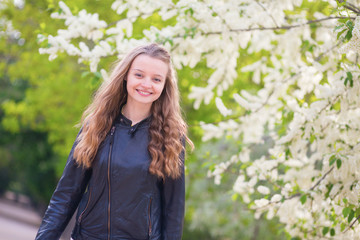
86, 207
133, 219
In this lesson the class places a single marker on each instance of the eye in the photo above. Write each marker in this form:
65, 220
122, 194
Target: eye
157, 79
138, 74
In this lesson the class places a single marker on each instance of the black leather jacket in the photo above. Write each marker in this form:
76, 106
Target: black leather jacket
117, 198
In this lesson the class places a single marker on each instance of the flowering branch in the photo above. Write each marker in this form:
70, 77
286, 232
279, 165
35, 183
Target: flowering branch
282, 27
298, 194
270, 15
350, 6
321, 179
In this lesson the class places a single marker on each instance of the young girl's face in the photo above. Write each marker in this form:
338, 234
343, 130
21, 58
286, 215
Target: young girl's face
145, 80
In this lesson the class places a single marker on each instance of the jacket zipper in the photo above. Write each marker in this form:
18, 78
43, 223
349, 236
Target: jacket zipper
108, 175
87, 205
149, 214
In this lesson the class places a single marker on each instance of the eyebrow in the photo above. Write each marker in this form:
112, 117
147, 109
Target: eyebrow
143, 71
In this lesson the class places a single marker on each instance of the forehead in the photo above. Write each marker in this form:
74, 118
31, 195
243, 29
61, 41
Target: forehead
149, 64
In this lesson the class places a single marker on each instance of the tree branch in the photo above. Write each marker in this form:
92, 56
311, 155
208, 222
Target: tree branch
280, 27
299, 194
350, 6
271, 16
352, 224
318, 58
313, 187
321, 179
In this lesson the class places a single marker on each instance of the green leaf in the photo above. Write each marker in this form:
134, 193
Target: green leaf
342, 226
329, 187
312, 138
97, 75
325, 230
332, 232
338, 163
340, 33
332, 160
303, 199
346, 212
357, 211
338, 27
351, 215
350, 77
350, 25
348, 35
84, 74
234, 197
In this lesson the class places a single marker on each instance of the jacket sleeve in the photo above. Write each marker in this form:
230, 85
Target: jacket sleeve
64, 200
173, 205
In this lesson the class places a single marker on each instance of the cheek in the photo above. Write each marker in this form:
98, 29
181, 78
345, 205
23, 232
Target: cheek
160, 91
161, 88
129, 85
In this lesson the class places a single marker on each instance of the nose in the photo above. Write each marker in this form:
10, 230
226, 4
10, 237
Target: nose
146, 82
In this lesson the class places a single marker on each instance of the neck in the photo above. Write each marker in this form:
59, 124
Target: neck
136, 112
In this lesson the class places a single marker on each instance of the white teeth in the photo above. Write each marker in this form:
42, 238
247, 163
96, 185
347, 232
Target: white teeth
144, 93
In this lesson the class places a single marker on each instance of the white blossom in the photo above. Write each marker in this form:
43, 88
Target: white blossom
276, 198
261, 202
220, 105
263, 190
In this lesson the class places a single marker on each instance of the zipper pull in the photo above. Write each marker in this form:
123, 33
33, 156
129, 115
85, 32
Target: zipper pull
112, 134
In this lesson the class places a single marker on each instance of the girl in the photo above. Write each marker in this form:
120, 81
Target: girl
125, 172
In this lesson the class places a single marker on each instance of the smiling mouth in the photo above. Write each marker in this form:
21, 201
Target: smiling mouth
142, 93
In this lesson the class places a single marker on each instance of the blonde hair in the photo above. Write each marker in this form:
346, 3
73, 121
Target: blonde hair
167, 128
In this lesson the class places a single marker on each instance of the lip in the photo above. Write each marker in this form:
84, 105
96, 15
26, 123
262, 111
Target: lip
143, 93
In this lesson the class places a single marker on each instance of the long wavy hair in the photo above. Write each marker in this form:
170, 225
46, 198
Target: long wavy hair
167, 128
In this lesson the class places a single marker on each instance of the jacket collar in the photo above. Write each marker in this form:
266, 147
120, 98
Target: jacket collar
124, 121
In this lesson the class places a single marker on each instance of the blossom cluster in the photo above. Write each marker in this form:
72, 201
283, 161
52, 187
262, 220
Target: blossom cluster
306, 105
6, 27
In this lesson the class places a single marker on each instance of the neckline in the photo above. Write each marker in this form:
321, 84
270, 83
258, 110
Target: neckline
127, 122
122, 113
